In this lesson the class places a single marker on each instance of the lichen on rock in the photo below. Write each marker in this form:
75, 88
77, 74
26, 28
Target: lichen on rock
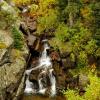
12, 60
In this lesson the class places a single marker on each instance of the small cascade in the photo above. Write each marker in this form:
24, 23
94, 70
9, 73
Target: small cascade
45, 66
29, 85
41, 88
53, 82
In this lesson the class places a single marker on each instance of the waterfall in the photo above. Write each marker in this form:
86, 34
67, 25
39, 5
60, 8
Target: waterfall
28, 88
41, 88
45, 65
53, 82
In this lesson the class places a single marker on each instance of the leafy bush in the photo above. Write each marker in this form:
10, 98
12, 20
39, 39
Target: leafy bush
72, 95
62, 32
21, 2
82, 59
72, 57
33, 8
92, 90
98, 52
48, 21
91, 47
18, 39
45, 4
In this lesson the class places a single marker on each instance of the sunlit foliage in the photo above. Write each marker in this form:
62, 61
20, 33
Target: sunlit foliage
18, 39
21, 2
92, 90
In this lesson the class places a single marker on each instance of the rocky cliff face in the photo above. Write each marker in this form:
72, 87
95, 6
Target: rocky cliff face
12, 60
12, 66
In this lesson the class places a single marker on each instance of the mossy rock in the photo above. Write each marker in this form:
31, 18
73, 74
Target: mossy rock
2, 45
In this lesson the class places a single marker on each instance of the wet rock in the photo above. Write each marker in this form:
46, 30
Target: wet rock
81, 91
61, 81
68, 64
28, 25
34, 61
65, 54
55, 56
72, 82
32, 26
23, 28
31, 40
34, 75
37, 45
47, 93
60, 77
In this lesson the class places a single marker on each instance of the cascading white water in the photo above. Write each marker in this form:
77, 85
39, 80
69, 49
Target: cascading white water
45, 65
41, 88
53, 82
29, 85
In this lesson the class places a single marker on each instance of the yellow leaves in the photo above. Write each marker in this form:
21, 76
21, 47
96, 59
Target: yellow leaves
20, 2
33, 8
93, 67
85, 12
45, 4
2, 45
92, 90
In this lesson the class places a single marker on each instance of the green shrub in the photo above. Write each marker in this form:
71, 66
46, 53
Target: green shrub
72, 57
82, 59
48, 21
44, 4
62, 32
33, 8
92, 90
21, 2
91, 47
72, 95
18, 39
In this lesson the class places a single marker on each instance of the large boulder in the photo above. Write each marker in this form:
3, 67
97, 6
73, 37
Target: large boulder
12, 61
12, 66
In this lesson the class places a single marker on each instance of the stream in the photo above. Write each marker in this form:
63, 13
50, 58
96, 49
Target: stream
40, 90
37, 97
